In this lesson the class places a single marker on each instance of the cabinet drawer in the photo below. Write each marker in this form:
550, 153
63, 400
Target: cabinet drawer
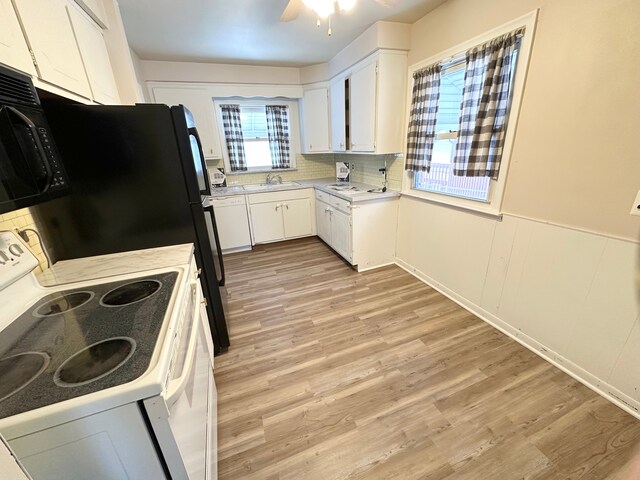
228, 201
334, 201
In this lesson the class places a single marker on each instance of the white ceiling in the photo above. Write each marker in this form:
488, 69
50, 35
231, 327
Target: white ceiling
249, 31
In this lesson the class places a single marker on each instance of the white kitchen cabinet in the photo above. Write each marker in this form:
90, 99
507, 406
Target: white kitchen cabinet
282, 215
200, 103
362, 102
323, 221
53, 43
233, 223
338, 115
363, 233
14, 51
95, 57
266, 219
316, 120
296, 215
374, 120
95, 9
341, 233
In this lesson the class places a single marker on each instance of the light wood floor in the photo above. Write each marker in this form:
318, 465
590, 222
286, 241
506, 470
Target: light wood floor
335, 374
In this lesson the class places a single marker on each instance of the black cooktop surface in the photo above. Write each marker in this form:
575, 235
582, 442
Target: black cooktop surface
75, 342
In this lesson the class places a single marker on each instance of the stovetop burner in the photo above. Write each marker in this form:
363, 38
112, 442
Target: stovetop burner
18, 371
130, 293
94, 362
87, 344
63, 303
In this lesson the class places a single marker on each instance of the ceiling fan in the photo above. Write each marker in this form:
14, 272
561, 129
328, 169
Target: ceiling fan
323, 8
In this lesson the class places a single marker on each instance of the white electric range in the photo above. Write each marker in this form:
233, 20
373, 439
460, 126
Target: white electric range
106, 378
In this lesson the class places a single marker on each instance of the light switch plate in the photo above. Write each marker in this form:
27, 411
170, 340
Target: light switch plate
635, 208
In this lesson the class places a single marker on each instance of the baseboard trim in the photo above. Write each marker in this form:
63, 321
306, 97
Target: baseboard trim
596, 384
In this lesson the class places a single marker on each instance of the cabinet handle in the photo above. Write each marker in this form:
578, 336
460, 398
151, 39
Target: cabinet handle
277, 206
286, 205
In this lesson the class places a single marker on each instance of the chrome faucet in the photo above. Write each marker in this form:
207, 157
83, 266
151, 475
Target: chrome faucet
273, 178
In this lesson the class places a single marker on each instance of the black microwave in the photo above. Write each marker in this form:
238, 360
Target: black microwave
30, 168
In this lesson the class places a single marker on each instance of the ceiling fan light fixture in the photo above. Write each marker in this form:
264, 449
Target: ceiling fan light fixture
346, 4
323, 8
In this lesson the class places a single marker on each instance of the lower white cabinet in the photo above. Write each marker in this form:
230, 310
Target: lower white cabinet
283, 215
363, 233
232, 222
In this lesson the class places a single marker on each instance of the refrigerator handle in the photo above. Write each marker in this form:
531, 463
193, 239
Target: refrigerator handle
207, 191
209, 208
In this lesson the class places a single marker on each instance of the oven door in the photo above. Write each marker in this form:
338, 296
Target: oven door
185, 427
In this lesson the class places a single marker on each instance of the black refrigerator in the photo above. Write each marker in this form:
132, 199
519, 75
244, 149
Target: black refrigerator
138, 180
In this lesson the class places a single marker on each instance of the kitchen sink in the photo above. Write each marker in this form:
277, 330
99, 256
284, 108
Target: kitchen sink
264, 186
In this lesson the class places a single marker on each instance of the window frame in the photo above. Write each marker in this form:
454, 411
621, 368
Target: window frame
294, 129
493, 206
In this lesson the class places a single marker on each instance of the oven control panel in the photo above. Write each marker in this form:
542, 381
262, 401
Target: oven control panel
16, 260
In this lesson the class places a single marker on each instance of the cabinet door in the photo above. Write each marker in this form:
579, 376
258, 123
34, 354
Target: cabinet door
338, 120
51, 37
362, 108
200, 103
14, 51
266, 220
95, 58
297, 217
316, 120
323, 221
341, 234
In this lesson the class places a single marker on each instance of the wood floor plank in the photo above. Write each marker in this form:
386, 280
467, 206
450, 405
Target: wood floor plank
334, 374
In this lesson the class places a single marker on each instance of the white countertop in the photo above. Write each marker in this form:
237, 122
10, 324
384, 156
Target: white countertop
92, 268
322, 184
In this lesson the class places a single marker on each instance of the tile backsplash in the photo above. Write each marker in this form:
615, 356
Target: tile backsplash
323, 166
21, 219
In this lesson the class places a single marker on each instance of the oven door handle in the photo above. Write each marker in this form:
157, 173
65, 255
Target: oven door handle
177, 385
36, 138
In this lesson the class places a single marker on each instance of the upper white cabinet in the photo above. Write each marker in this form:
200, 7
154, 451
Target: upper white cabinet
316, 120
53, 43
362, 89
377, 102
13, 47
200, 103
95, 9
337, 95
95, 57
367, 106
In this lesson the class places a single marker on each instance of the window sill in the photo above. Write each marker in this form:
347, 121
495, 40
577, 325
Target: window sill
484, 210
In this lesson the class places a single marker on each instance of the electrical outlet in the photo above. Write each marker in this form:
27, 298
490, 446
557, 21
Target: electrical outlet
635, 208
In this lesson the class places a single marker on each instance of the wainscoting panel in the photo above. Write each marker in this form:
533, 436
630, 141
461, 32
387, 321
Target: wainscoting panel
568, 295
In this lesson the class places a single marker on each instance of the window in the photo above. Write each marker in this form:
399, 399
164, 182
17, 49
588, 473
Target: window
252, 151
256, 138
440, 179
483, 148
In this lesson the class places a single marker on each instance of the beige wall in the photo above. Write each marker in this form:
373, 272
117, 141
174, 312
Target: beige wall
575, 159
218, 73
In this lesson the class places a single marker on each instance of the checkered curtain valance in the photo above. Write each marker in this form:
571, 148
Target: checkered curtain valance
233, 136
485, 106
422, 118
278, 131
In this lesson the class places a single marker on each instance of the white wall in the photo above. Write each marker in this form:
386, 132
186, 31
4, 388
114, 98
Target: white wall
558, 273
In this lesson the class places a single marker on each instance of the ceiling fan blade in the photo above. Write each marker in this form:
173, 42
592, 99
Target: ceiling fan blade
388, 3
291, 11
